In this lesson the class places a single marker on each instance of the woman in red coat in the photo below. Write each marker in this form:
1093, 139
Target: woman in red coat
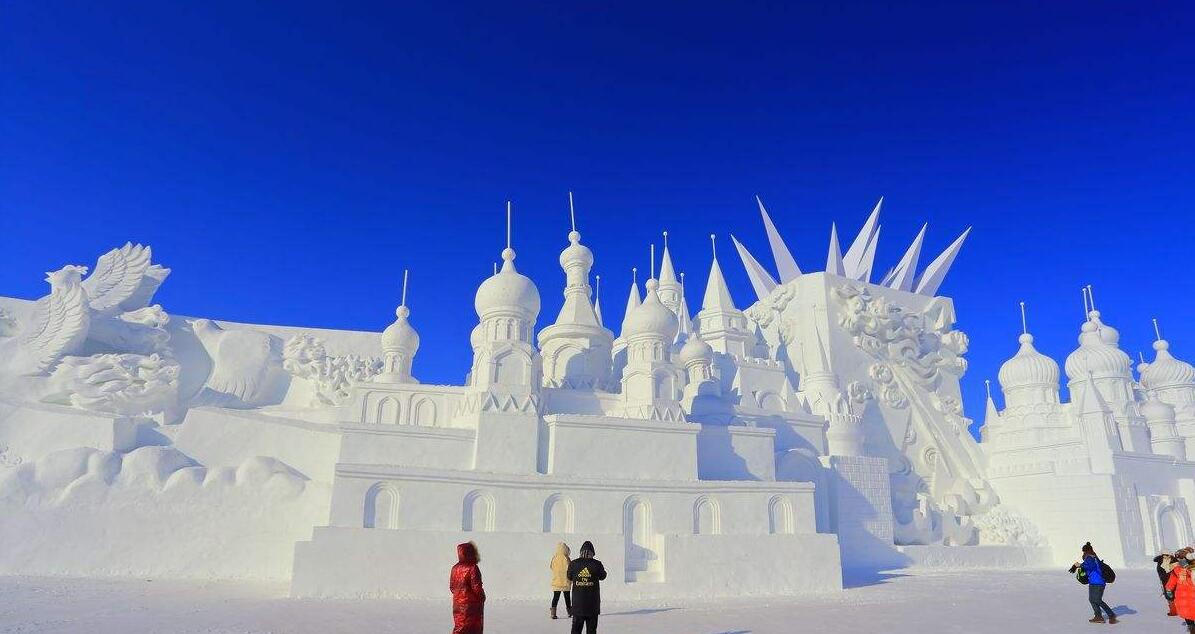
1181, 589
468, 597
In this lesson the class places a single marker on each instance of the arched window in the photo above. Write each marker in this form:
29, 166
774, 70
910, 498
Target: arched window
558, 514
478, 512
388, 411
780, 516
381, 506
706, 520
424, 413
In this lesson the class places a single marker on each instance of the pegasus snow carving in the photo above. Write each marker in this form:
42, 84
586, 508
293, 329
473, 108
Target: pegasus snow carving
57, 328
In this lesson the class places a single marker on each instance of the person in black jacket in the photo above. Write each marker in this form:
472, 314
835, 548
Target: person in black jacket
586, 573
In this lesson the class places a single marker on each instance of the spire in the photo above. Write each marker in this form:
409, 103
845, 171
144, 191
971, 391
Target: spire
633, 299
931, 279
991, 414
863, 273
761, 280
508, 254
786, 266
905, 273
834, 264
686, 321
667, 272
717, 295
1090, 399
404, 292
669, 288
855, 262
1024, 322
597, 299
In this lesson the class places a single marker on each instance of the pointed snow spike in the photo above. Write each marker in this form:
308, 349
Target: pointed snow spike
887, 279
761, 281
991, 414
786, 266
717, 295
597, 302
834, 255
869, 257
633, 302
855, 256
667, 272
905, 275
931, 278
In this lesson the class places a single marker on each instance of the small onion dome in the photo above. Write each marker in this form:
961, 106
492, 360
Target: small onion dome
507, 290
576, 252
1166, 371
1154, 410
1108, 334
400, 336
652, 317
1095, 356
1028, 367
694, 350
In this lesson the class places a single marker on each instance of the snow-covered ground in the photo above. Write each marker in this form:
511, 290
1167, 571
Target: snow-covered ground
972, 602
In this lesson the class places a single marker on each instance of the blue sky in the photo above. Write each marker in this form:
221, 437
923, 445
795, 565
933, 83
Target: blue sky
289, 161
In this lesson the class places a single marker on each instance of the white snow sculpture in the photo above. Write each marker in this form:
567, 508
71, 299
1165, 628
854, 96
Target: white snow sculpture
245, 363
305, 356
127, 384
57, 328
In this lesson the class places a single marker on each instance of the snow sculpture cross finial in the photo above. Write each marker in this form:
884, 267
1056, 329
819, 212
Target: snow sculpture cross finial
1086, 306
665, 240
713, 246
508, 224
653, 261
572, 216
1024, 323
404, 286
634, 275
1091, 296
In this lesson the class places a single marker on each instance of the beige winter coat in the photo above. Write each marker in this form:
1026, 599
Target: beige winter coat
560, 563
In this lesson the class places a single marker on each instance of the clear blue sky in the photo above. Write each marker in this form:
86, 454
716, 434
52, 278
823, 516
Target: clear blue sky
288, 162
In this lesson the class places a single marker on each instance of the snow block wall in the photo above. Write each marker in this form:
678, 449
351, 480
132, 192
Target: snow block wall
154, 512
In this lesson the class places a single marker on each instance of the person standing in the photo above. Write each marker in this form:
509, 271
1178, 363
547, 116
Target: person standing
1091, 567
1165, 563
1180, 588
468, 596
586, 573
559, 565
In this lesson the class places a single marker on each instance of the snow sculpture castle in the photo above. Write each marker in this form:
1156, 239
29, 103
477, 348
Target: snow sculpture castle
755, 450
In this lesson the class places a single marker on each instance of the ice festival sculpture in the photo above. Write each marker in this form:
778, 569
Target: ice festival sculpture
738, 449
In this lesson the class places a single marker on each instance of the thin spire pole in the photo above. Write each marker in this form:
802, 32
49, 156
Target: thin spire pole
665, 240
572, 216
1157, 330
713, 246
1024, 323
1086, 307
508, 224
987, 383
653, 261
1141, 356
634, 275
597, 291
404, 286
495, 268
1091, 296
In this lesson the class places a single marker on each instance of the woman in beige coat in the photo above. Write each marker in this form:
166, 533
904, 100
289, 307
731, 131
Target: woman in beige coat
560, 562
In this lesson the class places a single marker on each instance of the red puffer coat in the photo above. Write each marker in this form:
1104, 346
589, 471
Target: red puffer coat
468, 597
1184, 591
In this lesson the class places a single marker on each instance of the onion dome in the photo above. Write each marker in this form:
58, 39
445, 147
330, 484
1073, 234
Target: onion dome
1165, 371
651, 317
576, 253
694, 350
400, 336
1154, 410
1095, 356
507, 291
1028, 368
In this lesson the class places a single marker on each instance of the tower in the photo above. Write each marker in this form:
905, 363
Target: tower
1172, 381
651, 383
576, 349
400, 342
1100, 364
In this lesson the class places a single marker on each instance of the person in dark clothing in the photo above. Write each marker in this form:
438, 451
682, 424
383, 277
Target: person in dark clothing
1165, 563
1090, 565
586, 573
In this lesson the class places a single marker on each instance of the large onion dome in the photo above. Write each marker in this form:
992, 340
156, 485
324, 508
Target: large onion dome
652, 317
507, 291
1165, 371
695, 349
1028, 368
1096, 355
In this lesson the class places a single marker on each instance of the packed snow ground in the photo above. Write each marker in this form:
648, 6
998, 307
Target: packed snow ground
973, 602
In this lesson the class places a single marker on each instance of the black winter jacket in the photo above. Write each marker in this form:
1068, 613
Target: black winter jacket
586, 573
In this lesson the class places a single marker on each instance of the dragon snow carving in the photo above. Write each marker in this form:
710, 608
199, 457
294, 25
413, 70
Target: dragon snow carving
938, 485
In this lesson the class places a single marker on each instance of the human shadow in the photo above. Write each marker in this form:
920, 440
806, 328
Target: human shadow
639, 612
1121, 610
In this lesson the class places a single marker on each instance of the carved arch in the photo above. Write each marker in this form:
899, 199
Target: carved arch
478, 512
381, 506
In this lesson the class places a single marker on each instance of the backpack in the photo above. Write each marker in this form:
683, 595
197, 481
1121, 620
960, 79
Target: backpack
1107, 572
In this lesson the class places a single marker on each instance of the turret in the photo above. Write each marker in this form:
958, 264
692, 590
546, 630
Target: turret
400, 342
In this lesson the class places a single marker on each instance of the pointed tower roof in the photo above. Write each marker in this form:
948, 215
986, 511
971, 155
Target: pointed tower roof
906, 271
786, 265
856, 262
931, 279
761, 280
717, 294
991, 414
1089, 400
633, 300
686, 320
834, 263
